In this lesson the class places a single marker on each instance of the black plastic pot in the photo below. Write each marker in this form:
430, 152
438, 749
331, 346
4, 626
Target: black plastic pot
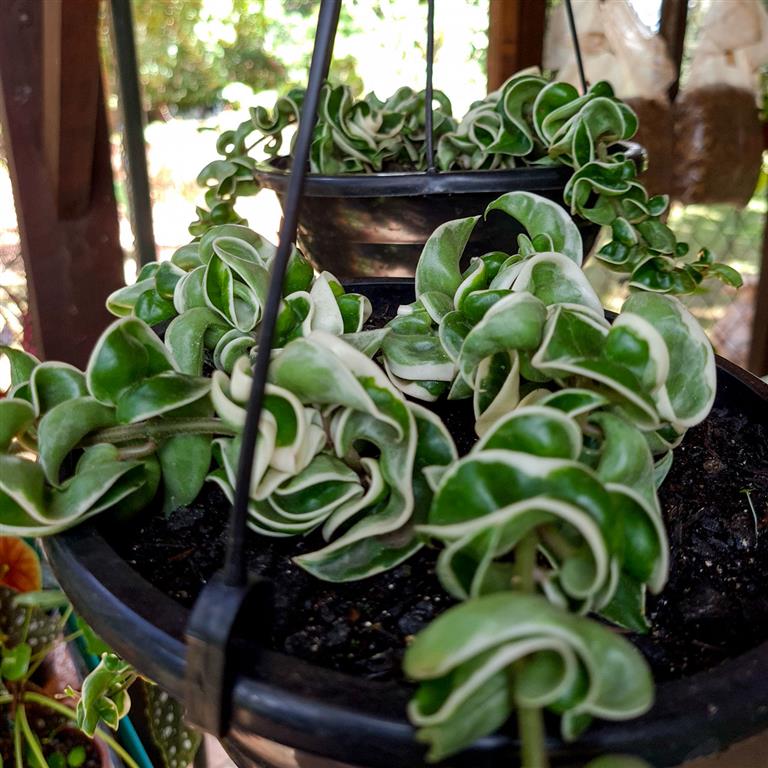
287, 713
375, 225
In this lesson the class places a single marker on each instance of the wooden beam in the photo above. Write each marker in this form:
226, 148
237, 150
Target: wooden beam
672, 26
758, 353
70, 98
73, 264
515, 37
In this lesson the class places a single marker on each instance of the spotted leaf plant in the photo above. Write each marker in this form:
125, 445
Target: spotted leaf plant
552, 516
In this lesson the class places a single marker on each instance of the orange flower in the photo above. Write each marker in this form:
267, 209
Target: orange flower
19, 565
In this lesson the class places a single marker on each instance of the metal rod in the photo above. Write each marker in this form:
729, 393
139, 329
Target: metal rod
133, 130
328, 18
428, 99
576, 46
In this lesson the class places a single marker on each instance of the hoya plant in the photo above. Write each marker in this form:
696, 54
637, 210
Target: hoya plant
529, 121
551, 517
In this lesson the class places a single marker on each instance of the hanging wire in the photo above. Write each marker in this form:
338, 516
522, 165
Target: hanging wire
327, 21
576, 46
129, 92
428, 97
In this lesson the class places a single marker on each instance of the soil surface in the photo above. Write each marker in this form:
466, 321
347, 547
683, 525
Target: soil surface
55, 736
714, 606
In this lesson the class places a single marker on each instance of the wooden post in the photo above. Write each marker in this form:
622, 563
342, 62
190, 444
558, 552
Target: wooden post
70, 100
58, 151
515, 37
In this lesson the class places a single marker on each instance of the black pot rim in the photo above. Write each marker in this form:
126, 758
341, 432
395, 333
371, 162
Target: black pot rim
531, 178
341, 717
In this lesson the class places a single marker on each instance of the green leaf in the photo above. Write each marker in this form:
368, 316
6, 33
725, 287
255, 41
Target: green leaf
102, 696
76, 757
323, 370
537, 430
726, 274
627, 606
93, 643
16, 417
189, 334
187, 257
264, 250
158, 395
44, 600
166, 278
658, 236
22, 364
554, 279
438, 266
177, 742
625, 458
514, 322
541, 216
184, 461
689, 390
189, 291
617, 761
458, 658
298, 274
15, 662
153, 308
64, 427
54, 383
125, 354
122, 301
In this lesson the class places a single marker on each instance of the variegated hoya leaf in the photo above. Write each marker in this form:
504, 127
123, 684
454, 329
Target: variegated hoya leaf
468, 665
551, 515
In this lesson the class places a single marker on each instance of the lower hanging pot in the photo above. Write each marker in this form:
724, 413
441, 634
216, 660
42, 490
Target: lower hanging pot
325, 690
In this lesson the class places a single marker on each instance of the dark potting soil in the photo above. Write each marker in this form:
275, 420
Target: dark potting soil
55, 736
714, 606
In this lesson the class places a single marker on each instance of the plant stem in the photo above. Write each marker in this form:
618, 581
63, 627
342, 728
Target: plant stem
17, 753
530, 726
556, 541
139, 451
159, 429
6, 699
530, 723
34, 744
69, 713
525, 562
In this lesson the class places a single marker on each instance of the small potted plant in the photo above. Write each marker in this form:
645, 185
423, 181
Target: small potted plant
481, 435
38, 727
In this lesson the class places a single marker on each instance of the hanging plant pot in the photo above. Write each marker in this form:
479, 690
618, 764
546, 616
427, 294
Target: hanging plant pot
376, 224
323, 686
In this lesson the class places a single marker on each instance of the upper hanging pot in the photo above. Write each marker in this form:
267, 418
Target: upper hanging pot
377, 224
383, 175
